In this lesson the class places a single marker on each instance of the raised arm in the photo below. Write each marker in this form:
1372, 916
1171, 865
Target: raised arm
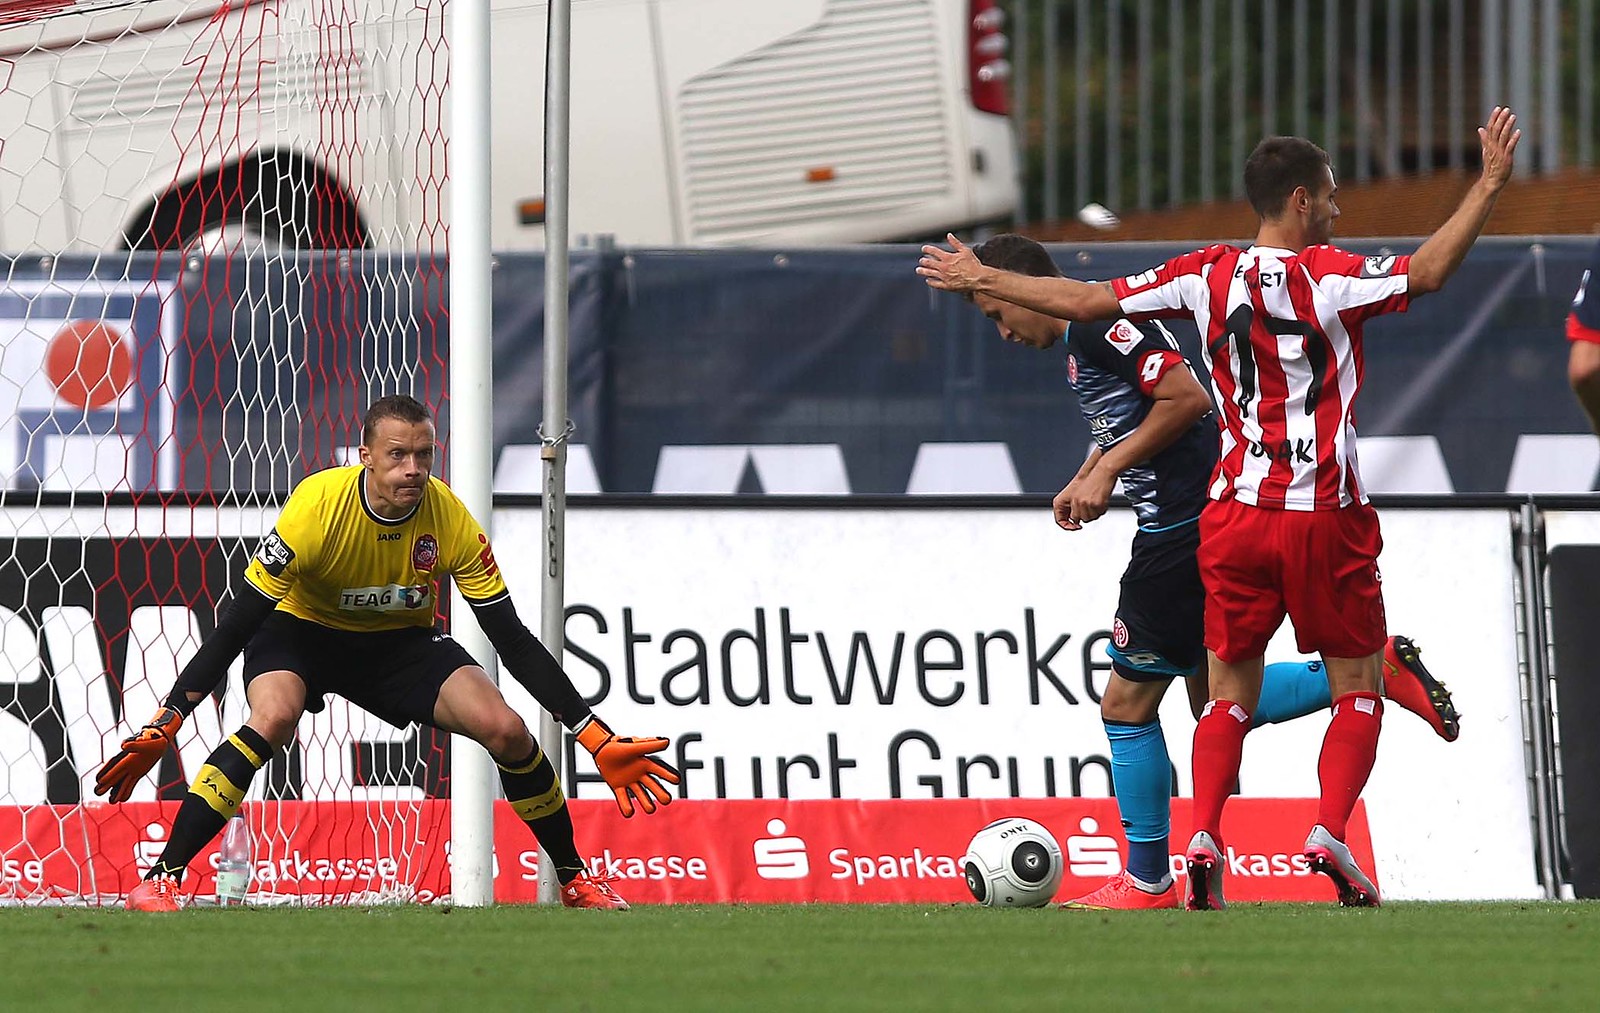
958, 270
1437, 259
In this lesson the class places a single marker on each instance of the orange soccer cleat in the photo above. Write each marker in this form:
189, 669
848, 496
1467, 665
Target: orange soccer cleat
1122, 894
157, 894
1408, 683
592, 892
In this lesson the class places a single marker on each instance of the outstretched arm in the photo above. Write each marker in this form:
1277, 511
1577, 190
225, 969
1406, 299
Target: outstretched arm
959, 270
529, 663
633, 774
141, 751
1437, 259
235, 626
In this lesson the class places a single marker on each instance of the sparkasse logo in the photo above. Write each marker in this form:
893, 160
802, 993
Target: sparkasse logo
1091, 854
781, 857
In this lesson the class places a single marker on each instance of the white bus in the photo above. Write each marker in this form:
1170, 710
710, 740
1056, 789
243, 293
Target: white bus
147, 125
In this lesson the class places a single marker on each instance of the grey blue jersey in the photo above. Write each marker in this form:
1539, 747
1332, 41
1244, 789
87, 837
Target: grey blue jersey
1113, 369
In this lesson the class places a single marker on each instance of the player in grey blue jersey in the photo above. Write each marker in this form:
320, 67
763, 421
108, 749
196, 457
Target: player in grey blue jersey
1151, 421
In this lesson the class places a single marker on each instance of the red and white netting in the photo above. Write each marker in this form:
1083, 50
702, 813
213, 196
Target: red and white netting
221, 230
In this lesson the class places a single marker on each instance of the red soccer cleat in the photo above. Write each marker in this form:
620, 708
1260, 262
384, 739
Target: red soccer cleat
1122, 894
157, 894
592, 892
1408, 683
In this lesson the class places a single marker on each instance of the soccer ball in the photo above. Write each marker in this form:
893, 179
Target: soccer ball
1013, 862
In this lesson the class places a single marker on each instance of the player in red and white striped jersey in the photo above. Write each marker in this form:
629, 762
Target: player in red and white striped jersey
1282, 336
1288, 530
1583, 330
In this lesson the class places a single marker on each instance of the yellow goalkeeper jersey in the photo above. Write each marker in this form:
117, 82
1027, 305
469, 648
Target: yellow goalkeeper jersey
332, 560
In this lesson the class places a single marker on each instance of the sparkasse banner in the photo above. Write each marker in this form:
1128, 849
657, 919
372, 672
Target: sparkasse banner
749, 851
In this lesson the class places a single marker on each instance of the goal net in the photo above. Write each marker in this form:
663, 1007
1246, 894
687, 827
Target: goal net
221, 229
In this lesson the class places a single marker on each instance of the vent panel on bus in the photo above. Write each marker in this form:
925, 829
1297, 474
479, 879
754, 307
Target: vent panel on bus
858, 95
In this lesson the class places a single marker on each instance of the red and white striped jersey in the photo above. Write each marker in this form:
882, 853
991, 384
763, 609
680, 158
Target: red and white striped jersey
1282, 339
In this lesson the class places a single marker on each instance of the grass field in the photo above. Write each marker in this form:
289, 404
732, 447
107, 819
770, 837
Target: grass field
1260, 957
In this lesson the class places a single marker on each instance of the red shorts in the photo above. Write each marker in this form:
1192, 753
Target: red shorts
1318, 567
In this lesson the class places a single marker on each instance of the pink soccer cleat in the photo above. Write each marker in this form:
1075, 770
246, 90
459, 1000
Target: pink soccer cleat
1205, 874
1329, 856
1123, 894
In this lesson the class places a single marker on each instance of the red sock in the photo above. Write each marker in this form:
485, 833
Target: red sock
1348, 752
1218, 746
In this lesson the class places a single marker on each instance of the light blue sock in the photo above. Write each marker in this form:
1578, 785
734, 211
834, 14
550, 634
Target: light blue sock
1291, 689
1141, 774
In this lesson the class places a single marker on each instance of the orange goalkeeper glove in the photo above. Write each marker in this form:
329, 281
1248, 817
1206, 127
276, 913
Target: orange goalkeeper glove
628, 767
139, 754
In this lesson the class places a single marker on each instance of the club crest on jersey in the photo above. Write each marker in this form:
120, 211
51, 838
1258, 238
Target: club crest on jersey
1119, 632
274, 554
1072, 370
425, 553
1124, 337
1377, 267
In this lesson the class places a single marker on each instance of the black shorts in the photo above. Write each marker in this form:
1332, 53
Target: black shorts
1159, 631
395, 674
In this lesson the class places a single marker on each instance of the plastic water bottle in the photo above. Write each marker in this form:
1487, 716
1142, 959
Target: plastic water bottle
233, 866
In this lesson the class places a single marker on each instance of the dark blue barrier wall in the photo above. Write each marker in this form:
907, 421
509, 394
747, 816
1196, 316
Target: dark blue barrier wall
846, 347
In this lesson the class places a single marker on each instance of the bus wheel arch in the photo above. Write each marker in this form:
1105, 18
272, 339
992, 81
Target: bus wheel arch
275, 198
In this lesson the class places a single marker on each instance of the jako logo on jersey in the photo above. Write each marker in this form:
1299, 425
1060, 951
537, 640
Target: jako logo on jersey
425, 553
780, 857
1377, 267
274, 554
388, 536
392, 598
1124, 337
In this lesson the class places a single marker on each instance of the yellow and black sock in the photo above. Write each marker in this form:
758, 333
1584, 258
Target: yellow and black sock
214, 796
535, 794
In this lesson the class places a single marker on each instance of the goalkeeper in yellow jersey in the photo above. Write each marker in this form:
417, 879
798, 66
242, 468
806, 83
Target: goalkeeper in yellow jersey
341, 598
